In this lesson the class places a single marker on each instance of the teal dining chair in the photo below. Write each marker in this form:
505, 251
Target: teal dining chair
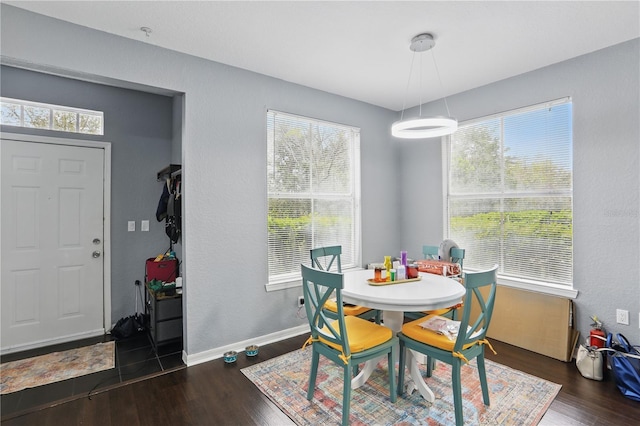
327, 259
467, 345
347, 340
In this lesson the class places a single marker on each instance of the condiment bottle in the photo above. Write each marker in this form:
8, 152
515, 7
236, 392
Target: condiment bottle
401, 273
403, 258
378, 274
388, 266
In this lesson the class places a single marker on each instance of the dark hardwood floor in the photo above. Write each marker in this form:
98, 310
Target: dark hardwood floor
215, 393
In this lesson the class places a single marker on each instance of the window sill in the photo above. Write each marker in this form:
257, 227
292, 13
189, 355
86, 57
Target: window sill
550, 289
293, 282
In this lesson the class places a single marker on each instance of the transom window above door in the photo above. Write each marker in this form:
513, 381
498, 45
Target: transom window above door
37, 115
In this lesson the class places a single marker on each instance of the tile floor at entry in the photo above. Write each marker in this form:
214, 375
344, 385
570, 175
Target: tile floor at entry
135, 359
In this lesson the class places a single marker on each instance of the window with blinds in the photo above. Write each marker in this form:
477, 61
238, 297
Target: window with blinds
313, 191
510, 193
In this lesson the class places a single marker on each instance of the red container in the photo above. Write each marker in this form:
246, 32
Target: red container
412, 271
594, 341
163, 270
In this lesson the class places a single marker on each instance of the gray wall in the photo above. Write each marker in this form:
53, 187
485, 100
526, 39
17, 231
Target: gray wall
605, 89
223, 151
139, 127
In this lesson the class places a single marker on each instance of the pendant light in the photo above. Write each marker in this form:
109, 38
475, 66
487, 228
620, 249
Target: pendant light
423, 127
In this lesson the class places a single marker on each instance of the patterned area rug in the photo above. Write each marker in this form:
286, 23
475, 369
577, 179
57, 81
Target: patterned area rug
517, 398
50, 368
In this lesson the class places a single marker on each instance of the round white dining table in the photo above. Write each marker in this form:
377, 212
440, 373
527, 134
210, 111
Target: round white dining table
429, 293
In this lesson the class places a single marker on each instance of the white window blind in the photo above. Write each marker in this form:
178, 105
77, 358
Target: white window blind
510, 193
313, 185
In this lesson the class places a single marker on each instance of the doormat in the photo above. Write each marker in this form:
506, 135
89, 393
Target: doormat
56, 366
517, 398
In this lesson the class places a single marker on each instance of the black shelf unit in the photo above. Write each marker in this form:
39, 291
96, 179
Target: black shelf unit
165, 317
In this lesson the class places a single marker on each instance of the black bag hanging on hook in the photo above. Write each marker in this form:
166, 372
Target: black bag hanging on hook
173, 225
161, 211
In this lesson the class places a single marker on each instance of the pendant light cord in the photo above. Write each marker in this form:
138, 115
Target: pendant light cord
446, 104
406, 92
420, 87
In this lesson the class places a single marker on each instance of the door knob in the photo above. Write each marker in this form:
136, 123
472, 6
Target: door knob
96, 254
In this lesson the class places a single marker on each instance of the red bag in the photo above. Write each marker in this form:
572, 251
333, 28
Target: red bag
163, 270
433, 266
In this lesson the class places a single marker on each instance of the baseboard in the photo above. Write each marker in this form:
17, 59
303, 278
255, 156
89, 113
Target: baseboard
211, 354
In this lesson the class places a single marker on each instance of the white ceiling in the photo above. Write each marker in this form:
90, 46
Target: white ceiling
360, 49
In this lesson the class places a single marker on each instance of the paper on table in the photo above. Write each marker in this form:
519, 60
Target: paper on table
442, 325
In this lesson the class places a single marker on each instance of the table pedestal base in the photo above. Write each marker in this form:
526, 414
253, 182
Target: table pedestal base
394, 320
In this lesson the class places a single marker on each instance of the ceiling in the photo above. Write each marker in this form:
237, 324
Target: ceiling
360, 49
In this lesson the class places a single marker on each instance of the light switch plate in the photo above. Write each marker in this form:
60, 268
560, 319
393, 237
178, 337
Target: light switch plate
622, 316
131, 226
144, 226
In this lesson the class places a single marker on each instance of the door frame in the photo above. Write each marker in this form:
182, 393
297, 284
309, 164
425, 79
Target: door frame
106, 191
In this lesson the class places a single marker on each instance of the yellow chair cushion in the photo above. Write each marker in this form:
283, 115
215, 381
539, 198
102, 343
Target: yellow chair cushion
443, 311
415, 331
438, 311
362, 334
332, 306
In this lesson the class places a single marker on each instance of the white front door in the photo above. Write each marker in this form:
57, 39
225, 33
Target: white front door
52, 199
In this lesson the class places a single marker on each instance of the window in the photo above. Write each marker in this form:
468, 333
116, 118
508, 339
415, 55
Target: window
19, 113
510, 194
313, 191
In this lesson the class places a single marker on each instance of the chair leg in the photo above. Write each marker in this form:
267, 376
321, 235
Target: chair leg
401, 362
431, 365
483, 378
346, 395
457, 391
391, 361
315, 358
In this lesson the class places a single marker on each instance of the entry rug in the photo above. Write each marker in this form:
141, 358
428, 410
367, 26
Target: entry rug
517, 398
57, 366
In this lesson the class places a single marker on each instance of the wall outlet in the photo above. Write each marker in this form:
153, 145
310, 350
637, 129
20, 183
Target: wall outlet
144, 226
622, 316
131, 226
300, 301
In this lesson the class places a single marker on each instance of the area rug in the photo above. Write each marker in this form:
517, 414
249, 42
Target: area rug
56, 366
517, 398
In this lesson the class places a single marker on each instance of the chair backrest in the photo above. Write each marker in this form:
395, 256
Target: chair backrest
317, 287
456, 254
475, 328
324, 258
430, 252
